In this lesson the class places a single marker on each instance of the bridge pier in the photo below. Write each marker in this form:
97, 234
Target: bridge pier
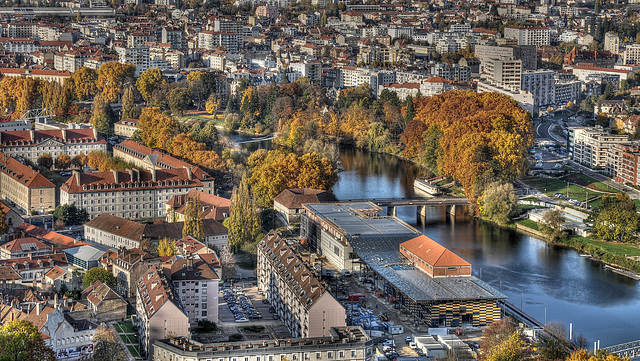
422, 211
452, 211
392, 211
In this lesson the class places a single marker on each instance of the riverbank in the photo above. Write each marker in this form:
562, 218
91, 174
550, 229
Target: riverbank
612, 254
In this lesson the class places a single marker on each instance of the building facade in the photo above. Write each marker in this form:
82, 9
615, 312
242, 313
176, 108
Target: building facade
197, 284
300, 300
32, 144
589, 146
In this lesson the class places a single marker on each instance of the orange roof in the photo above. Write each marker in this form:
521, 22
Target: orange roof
23, 173
54, 237
24, 244
433, 252
55, 272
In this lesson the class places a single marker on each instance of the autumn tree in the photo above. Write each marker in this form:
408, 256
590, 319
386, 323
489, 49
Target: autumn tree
156, 128
615, 219
148, 81
113, 78
20, 340
4, 227
583, 355
106, 345
502, 341
499, 202
244, 219
193, 225
85, 83
63, 161
98, 274
553, 342
167, 247
45, 161
484, 135
213, 104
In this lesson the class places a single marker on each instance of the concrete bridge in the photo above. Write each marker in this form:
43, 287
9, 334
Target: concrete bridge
421, 203
629, 349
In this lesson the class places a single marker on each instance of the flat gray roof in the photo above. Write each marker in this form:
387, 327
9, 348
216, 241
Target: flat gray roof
346, 217
86, 253
382, 254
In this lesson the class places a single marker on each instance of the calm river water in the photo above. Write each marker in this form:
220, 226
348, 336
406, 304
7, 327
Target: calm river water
600, 304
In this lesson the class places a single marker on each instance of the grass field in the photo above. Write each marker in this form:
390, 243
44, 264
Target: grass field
124, 327
528, 223
588, 182
551, 185
129, 337
134, 351
617, 248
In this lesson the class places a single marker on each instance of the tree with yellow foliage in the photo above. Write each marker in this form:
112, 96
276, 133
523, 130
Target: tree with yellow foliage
583, 355
213, 104
156, 128
167, 247
113, 78
85, 83
149, 81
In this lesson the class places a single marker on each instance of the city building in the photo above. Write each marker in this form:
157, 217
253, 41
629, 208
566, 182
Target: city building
341, 344
159, 309
128, 266
526, 53
197, 284
84, 257
23, 247
126, 127
299, 299
392, 253
535, 35
116, 232
26, 188
32, 144
57, 76
32, 269
631, 54
612, 43
105, 304
505, 74
212, 206
133, 193
147, 158
289, 202
583, 71
541, 84
622, 162
589, 145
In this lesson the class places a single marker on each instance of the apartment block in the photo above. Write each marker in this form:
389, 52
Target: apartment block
128, 266
302, 302
27, 188
196, 283
590, 145
622, 162
138, 56
133, 193
126, 127
505, 74
159, 309
631, 55
526, 53
342, 344
536, 35
541, 84
612, 43
212, 39
451, 72
31, 144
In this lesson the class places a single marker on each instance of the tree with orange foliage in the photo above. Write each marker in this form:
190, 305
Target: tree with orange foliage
156, 128
483, 137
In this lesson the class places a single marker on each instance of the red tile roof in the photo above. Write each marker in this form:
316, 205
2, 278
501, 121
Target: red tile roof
157, 157
8, 274
24, 138
24, 244
23, 173
55, 272
101, 181
98, 292
60, 239
433, 253
294, 198
155, 292
214, 207
35, 263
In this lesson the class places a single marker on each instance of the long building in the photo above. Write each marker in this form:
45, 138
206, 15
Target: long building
590, 145
27, 188
302, 302
145, 157
434, 284
134, 193
341, 344
31, 144
160, 311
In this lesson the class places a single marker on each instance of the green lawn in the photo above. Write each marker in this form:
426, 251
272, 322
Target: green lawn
551, 185
528, 223
591, 183
124, 327
134, 351
617, 248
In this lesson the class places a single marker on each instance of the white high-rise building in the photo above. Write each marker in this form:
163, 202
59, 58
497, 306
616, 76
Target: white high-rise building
541, 84
536, 35
612, 43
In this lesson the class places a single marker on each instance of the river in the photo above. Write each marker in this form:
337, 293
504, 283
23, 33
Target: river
551, 283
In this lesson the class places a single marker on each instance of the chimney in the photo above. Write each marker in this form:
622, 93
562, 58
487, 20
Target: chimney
30, 256
189, 173
76, 174
38, 308
130, 174
137, 172
115, 175
31, 134
64, 135
95, 134
153, 174
190, 263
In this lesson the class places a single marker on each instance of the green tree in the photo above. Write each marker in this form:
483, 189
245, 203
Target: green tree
244, 220
98, 274
551, 225
167, 247
45, 161
596, 9
193, 225
101, 115
409, 112
149, 81
106, 345
20, 340
179, 99
70, 214
499, 202
616, 218
128, 106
